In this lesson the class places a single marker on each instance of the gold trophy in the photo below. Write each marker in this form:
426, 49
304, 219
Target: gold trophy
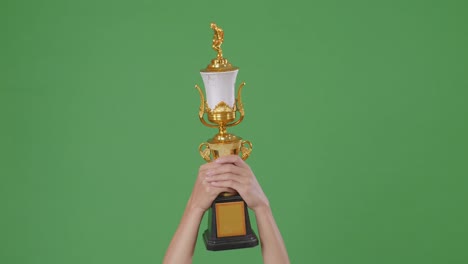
228, 225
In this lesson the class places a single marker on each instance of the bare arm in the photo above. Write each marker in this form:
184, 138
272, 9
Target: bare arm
182, 245
273, 248
237, 175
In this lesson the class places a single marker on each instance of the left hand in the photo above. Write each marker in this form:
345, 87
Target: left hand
234, 173
203, 192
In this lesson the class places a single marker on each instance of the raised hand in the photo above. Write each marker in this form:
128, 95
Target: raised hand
204, 193
232, 172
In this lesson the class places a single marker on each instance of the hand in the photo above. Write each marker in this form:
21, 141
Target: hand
203, 193
232, 172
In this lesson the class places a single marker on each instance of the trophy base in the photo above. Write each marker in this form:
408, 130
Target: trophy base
227, 243
229, 225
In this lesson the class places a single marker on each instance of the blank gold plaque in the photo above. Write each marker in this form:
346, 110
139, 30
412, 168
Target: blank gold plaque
230, 219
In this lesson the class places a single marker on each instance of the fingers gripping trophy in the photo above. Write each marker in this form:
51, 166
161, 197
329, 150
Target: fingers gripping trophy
228, 225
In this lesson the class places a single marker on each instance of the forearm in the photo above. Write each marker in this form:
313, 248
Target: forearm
182, 244
273, 248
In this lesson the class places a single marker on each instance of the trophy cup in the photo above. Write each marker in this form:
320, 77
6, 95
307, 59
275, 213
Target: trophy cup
229, 224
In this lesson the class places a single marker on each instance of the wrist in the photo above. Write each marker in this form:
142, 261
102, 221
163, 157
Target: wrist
261, 209
194, 212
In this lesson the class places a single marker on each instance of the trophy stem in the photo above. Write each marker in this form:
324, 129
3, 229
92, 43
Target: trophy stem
222, 130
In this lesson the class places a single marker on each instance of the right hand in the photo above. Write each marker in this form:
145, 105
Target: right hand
204, 193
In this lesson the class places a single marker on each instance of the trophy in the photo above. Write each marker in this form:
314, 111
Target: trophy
229, 224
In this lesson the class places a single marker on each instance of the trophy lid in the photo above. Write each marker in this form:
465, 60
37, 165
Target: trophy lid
218, 64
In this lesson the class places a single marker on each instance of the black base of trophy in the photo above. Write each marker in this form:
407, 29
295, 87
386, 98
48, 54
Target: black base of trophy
210, 236
229, 243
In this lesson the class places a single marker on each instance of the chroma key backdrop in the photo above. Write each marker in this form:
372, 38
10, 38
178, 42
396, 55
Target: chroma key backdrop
357, 112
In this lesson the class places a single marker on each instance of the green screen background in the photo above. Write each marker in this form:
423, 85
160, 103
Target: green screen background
357, 111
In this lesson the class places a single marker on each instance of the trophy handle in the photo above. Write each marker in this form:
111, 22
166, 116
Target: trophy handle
238, 106
205, 153
246, 149
201, 112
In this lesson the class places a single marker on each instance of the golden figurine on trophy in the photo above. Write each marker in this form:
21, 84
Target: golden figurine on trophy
229, 225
